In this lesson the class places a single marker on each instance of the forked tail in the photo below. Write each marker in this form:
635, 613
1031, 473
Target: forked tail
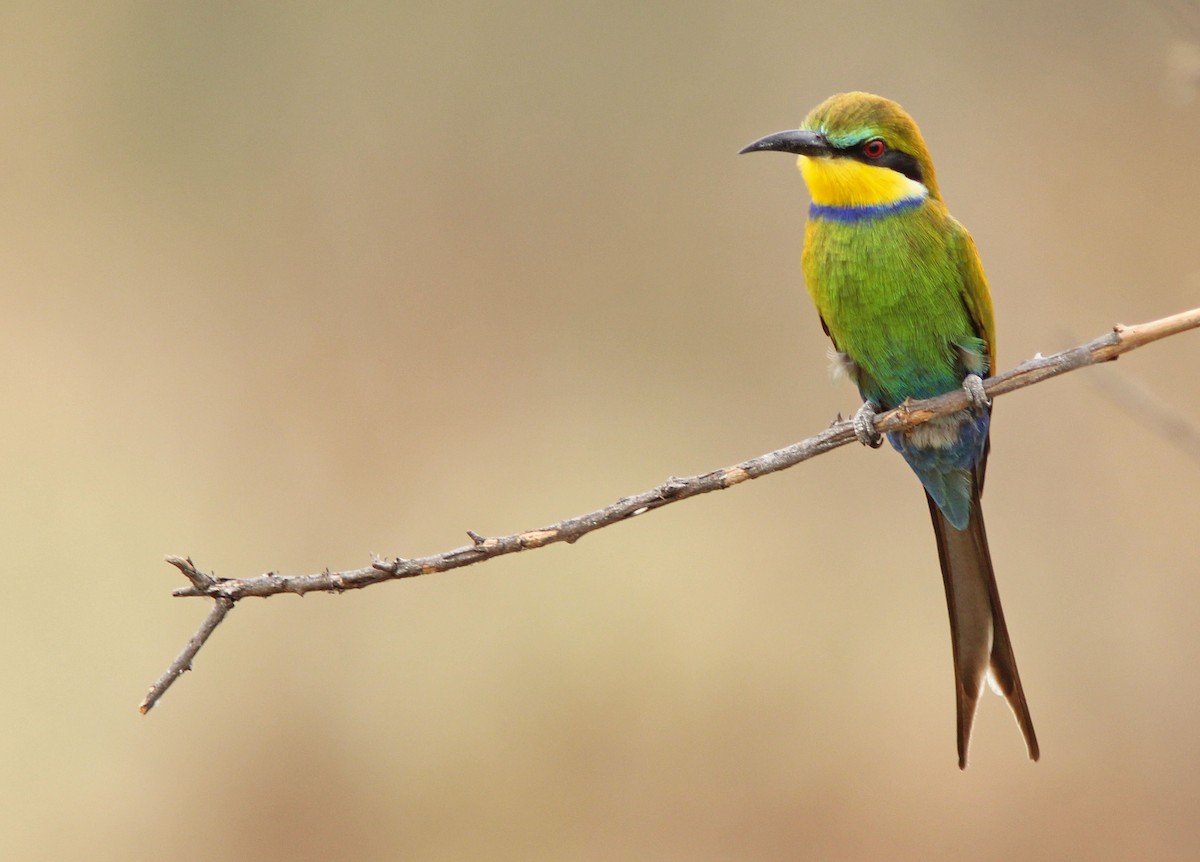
978, 635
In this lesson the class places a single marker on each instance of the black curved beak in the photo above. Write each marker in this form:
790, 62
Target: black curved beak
797, 141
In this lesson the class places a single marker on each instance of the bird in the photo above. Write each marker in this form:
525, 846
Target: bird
901, 292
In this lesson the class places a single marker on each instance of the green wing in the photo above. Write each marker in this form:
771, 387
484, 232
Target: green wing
978, 300
976, 296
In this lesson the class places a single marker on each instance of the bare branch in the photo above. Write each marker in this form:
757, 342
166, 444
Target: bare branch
228, 591
183, 661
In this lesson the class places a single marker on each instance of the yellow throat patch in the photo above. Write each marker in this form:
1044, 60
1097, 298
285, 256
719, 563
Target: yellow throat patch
845, 182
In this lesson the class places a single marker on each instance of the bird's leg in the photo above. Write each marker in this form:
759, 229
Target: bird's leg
864, 426
973, 383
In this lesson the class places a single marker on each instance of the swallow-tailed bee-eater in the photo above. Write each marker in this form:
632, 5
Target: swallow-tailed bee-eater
900, 291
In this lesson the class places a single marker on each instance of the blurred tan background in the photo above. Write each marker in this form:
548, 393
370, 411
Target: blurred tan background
288, 284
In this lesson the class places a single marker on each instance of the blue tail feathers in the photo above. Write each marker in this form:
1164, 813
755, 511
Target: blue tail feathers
944, 456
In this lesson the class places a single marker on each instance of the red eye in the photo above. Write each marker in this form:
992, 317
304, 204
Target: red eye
874, 148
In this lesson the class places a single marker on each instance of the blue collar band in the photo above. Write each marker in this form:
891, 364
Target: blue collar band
849, 215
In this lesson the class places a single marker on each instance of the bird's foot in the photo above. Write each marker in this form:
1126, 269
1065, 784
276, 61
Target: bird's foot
973, 384
864, 426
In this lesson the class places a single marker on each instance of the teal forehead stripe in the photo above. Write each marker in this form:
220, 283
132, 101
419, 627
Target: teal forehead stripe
847, 140
848, 215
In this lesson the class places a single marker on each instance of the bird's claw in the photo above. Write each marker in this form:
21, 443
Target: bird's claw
864, 426
973, 384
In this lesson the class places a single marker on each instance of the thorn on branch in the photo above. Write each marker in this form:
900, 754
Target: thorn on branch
476, 538
391, 566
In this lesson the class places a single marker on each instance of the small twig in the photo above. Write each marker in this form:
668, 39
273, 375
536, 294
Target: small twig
183, 661
228, 591
200, 580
